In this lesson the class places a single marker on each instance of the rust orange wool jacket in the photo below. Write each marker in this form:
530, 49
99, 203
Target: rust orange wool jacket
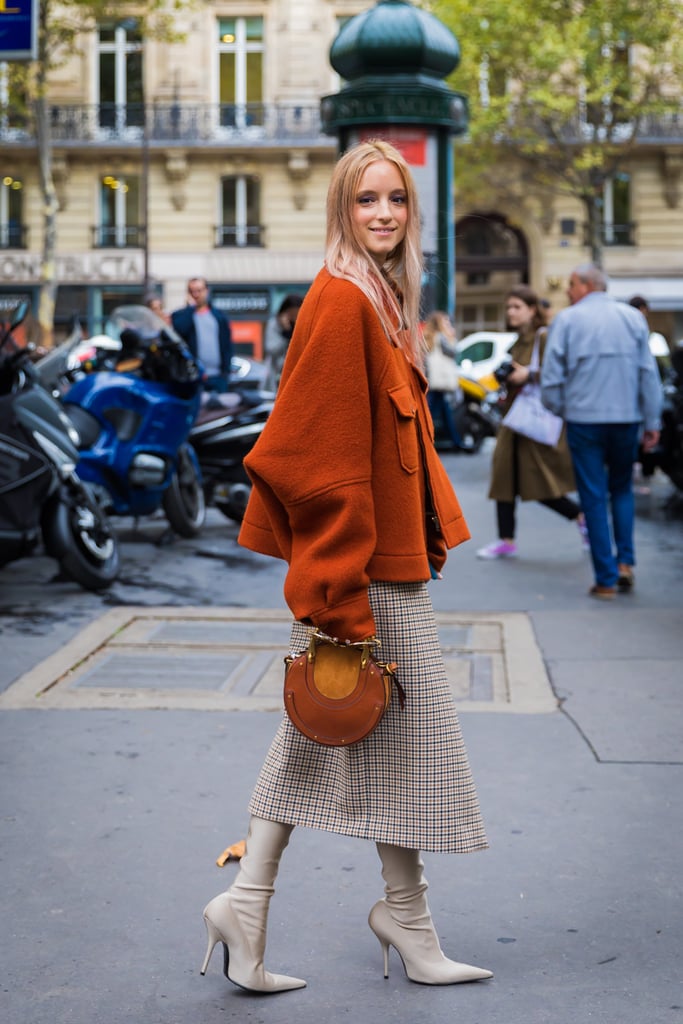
341, 468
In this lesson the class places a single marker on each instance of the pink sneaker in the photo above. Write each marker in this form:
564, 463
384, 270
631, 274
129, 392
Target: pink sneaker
498, 549
583, 531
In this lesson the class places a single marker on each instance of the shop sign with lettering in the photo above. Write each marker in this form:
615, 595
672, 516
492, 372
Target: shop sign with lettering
241, 302
78, 268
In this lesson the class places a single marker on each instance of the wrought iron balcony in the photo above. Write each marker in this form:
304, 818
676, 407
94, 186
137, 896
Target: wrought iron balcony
253, 124
233, 235
527, 124
118, 236
262, 124
613, 234
13, 236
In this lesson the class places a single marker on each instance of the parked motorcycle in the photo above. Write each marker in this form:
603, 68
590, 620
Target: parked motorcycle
41, 494
227, 428
133, 395
476, 410
668, 455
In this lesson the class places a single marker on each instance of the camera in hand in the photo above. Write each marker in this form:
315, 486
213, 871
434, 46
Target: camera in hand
503, 371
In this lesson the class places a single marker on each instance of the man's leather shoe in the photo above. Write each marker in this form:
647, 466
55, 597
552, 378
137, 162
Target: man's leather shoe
626, 579
603, 593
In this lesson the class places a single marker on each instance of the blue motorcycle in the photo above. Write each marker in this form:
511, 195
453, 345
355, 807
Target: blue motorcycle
133, 396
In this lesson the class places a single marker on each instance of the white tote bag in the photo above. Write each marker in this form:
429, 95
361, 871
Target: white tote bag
442, 371
527, 414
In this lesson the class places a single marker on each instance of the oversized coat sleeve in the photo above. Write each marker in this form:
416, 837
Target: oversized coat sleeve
312, 466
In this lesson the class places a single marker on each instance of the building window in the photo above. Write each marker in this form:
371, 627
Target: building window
610, 65
12, 230
618, 229
120, 94
240, 212
120, 222
240, 72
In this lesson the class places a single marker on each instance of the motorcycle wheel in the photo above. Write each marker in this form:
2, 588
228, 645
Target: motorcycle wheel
184, 502
473, 428
232, 510
79, 535
231, 499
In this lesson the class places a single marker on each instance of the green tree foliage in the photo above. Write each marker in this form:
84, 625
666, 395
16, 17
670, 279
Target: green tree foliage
566, 90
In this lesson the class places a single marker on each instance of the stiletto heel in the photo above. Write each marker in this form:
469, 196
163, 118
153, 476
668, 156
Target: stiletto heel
385, 951
213, 939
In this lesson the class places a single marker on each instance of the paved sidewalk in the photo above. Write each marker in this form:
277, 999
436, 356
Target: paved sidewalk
114, 813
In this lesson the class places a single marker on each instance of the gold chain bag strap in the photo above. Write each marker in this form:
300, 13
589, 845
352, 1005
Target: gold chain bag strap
336, 694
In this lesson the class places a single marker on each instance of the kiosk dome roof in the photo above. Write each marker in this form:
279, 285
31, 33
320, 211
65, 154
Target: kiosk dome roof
394, 37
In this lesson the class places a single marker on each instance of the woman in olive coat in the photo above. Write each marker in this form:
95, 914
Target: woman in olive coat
521, 467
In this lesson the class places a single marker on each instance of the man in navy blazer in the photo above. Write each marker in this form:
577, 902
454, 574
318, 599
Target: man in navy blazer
207, 334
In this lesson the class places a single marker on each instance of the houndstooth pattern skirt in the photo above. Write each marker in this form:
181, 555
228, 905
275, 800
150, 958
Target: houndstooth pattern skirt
409, 783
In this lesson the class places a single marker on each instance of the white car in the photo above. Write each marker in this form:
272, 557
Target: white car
480, 353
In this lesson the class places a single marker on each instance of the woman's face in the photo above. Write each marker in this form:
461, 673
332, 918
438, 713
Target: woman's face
380, 210
518, 313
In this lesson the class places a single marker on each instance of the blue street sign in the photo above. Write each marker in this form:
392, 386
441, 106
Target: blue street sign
18, 29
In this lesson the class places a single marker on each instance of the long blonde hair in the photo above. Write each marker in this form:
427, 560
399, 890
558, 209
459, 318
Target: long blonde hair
394, 290
437, 323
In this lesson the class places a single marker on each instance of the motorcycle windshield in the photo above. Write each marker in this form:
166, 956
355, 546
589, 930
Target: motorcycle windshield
52, 366
140, 319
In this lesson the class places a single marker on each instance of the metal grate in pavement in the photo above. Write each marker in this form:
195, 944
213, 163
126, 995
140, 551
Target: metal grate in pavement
231, 659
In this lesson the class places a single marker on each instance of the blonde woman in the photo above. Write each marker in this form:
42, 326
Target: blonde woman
439, 339
348, 489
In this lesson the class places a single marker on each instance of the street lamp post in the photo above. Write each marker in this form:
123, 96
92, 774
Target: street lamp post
145, 197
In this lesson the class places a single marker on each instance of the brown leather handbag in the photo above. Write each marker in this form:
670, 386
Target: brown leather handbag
336, 694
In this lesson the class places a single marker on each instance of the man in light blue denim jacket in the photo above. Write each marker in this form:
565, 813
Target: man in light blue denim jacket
599, 375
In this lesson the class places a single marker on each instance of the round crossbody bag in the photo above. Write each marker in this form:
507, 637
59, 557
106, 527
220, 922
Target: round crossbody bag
337, 694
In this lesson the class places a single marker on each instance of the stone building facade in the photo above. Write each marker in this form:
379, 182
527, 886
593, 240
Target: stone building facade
198, 157
205, 156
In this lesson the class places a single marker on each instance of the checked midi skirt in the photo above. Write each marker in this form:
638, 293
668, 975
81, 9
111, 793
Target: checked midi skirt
409, 783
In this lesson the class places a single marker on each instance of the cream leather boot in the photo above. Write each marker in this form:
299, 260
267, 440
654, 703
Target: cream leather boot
402, 920
238, 917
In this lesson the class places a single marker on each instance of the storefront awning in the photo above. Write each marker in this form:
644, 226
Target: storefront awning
663, 294
245, 266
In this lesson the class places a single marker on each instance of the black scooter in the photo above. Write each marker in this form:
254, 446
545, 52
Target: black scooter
226, 429
41, 494
668, 455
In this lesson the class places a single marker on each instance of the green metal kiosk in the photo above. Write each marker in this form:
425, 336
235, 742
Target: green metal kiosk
393, 58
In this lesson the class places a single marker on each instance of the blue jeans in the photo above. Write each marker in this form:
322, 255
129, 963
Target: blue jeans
440, 408
603, 455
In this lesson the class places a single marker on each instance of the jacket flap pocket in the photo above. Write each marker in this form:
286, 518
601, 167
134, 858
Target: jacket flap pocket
403, 400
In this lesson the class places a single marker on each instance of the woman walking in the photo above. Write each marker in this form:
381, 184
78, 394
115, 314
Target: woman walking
521, 467
442, 374
348, 489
